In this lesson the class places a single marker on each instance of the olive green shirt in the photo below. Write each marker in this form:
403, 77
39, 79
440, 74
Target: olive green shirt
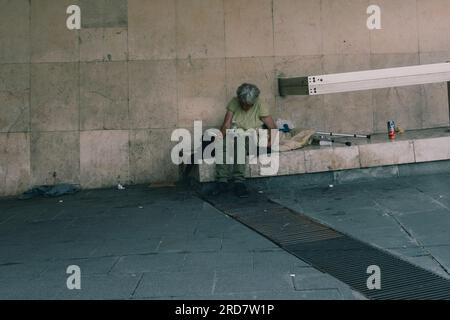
248, 119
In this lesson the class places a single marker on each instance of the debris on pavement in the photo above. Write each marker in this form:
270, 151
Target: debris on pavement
50, 191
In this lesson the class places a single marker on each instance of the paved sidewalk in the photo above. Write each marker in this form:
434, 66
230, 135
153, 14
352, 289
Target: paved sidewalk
143, 243
408, 216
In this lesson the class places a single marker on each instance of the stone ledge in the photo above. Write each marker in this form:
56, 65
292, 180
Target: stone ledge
411, 147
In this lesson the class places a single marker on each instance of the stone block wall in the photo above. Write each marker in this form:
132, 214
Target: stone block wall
97, 106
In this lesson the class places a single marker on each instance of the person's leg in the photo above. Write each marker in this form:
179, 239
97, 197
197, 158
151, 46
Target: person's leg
239, 187
223, 172
239, 172
222, 176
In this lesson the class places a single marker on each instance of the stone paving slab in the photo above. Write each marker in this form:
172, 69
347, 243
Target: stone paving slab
407, 216
143, 243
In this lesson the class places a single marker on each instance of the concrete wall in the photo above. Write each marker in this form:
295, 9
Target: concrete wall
97, 106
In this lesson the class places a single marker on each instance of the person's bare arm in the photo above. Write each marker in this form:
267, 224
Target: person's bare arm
226, 123
268, 121
270, 124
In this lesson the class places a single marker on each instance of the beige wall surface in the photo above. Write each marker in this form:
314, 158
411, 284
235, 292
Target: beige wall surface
97, 106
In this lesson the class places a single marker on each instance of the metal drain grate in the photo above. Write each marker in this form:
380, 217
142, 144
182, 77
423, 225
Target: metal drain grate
332, 252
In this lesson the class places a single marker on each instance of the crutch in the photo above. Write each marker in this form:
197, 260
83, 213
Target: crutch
321, 140
353, 135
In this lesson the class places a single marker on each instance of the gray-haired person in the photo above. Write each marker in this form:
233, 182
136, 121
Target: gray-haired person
245, 111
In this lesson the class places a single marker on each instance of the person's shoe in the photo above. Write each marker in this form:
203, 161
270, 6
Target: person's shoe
219, 188
240, 190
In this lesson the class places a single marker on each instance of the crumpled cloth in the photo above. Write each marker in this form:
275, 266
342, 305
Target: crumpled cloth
50, 191
295, 139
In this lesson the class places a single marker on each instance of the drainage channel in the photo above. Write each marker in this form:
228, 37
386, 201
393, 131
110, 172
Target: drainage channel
332, 252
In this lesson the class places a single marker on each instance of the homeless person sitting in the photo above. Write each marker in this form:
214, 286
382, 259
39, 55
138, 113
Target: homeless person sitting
244, 111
